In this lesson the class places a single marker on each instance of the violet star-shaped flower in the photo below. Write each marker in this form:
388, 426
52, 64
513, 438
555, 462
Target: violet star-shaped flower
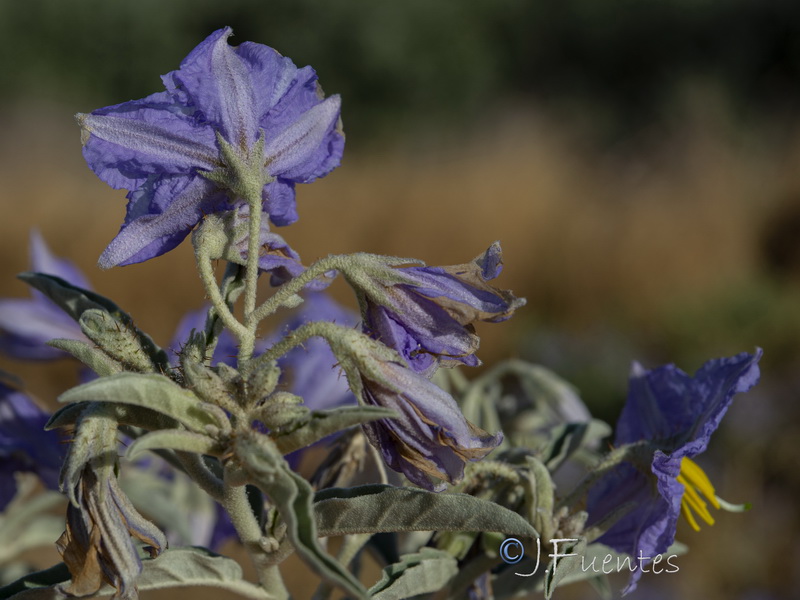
675, 414
427, 313
26, 325
24, 444
230, 118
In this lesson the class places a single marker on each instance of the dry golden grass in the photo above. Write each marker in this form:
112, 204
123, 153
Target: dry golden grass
585, 236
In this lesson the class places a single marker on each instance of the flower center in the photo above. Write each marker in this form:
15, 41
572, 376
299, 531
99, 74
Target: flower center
696, 484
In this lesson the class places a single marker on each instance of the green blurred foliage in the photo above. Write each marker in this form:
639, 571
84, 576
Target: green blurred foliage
612, 65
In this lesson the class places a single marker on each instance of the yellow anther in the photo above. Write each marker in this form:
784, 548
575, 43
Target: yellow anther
697, 477
695, 483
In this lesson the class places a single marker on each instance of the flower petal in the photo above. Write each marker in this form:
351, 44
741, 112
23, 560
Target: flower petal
151, 235
149, 141
673, 409
303, 146
218, 83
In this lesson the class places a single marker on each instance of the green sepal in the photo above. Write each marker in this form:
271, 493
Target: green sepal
94, 444
429, 570
174, 439
154, 392
94, 358
374, 508
176, 567
319, 424
293, 497
75, 301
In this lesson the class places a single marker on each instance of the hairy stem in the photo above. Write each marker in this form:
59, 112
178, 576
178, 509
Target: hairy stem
269, 576
206, 270
251, 277
290, 288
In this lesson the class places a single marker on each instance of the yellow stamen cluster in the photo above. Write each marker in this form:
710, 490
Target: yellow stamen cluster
695, 483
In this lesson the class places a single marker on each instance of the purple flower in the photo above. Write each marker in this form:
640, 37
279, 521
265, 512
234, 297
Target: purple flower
430, 439
676, 415
26, 325
225, 106
427, 313
24, 444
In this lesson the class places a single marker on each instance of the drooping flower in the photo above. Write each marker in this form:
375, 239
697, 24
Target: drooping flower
243, 115
675, 414
26, 325
427, 313
431, 439
24, 444
97, 546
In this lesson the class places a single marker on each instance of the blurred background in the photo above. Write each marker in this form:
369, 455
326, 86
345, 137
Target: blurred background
637, 160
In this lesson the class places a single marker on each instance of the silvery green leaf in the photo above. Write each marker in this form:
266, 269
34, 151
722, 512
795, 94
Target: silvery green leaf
32, 582
374, 508
94, 358
123, 342
539, 496
76, 301
155, 392
561, 568
26, 522
421, 573
320, 424
68, 415
178, 567
569, 438
293, 496
70, 298
174, 439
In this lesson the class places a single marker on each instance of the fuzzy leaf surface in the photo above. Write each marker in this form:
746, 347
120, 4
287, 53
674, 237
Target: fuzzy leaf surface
155, 392
375, 508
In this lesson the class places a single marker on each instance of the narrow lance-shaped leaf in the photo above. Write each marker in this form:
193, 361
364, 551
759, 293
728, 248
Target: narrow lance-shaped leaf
75, 301
94, 358
156, 392
179, 567
293, 496
174, 439
374, 508
424, 572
